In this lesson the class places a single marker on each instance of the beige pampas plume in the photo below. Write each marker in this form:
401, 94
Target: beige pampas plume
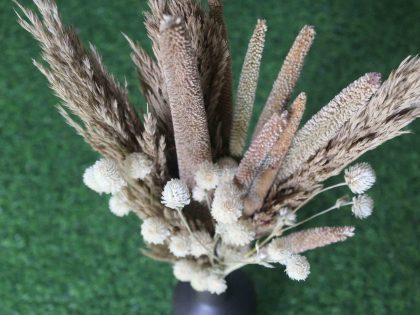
246, 89
309, 239
186, 101
287, 77
323, 126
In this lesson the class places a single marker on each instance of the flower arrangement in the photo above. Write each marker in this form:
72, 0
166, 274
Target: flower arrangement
208, 204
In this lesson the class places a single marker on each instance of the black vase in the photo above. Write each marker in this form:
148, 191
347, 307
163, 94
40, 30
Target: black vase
239, 298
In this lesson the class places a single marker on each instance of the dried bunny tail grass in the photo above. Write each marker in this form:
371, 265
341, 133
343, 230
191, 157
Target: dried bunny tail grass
394, 106
288, 76
109, 122
267, 175
186, 101
259, 149
324, 125
302, 241
246, 89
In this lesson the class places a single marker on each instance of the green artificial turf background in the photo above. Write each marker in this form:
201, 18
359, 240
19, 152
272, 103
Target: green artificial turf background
63, 252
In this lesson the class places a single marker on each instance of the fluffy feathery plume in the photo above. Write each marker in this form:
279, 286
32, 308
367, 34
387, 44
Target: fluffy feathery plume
179, 244
78, 77
259, 149
362, 206
227, 203
207, 176
360, 177
175, 194
185, 269
287, 77
137, 165
201, 243
236, 234
279, 251
186, 100
155, 230
272, 162
246, 90
324, 125
297, 268
118, 204
104, 177
309, 239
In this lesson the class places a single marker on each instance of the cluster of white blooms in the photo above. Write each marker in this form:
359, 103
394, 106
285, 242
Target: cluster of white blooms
179, 244
360, 177
201, 279
175, 194
297, 267
118, 204
227, 204
137, 165
362, 206
104, 177
200, 243
155, 230
240, 233
233, 254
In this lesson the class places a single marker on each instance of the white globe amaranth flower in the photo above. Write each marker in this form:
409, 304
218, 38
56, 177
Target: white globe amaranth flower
279, 251
216, 284
137, 165
104, 177
236, 234
199, 280
360, 177
179, 244
207, 176
175, 194
297, 267
184, 269
227, 163
155, 230
118, 204
232, 254
201, 243
362, 206
199, 194
227, 204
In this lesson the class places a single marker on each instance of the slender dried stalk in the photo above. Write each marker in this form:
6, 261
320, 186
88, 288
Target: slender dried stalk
274, 158
185, 98
246, 89
309, 239
323, 126
288, 76
109, 122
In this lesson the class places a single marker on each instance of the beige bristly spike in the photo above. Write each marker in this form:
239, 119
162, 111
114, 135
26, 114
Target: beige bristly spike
255, 198
246, 90
308, 239
288, 76
182, 80
259, 149
324, 125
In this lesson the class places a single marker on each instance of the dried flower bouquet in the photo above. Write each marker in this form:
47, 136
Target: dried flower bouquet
208, 204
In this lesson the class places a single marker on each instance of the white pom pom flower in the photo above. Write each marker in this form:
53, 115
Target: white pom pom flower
236, 234
227, 163
137, 165
227, 204
175, 194
179, 245
104, 177
199, 194
279, 251
184, 269
155, 230
201, 243
118, 204
362, 206
199, 280
216, 284
297, 267
360, 177
207, 176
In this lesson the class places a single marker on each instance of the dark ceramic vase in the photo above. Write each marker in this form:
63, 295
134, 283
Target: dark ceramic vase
239, 298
